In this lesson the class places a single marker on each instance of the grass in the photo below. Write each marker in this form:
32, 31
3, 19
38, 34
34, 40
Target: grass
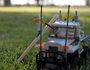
45, 9
18, 29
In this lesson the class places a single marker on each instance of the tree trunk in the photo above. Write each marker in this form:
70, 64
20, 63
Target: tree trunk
87, 2
7, 2
37, 2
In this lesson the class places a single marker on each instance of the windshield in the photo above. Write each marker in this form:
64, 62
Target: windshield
61, 33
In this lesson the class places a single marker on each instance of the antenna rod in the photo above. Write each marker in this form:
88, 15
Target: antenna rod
76, 16
60, 15
65, 48
41, 29
68, 13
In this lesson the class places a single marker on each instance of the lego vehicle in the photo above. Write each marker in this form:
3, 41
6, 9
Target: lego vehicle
63, 50
67, 45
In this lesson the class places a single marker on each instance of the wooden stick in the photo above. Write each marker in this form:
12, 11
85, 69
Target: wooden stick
36, 39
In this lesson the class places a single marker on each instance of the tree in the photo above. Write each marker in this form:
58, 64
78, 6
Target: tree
37, 2
7, 2
88, 2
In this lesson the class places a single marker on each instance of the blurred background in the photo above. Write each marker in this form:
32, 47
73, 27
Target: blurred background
18, 27
45, 2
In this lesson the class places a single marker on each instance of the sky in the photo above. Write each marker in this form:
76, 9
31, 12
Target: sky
56, 2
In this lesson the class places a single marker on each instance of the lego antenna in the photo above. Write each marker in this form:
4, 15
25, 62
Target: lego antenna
41, 29
68, 13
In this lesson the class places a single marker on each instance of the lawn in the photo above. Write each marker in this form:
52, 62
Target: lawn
18, 29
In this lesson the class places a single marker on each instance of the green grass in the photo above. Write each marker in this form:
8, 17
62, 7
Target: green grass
18, 29
45, 9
